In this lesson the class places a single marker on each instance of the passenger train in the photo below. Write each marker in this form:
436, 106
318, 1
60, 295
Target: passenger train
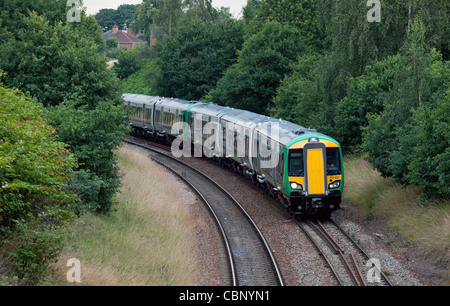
306, 175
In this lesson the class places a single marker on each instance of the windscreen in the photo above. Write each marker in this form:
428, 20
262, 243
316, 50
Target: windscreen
333, 161
296, 167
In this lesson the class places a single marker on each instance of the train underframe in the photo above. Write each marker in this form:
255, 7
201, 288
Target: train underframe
323, 206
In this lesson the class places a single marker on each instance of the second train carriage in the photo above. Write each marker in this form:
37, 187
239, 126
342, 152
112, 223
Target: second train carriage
307, 176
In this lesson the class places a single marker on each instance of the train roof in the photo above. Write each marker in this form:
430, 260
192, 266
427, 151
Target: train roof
209, 109
279, 130
136, 98
175, 103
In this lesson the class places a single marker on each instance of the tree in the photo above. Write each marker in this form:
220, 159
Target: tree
12, 11
266, 57
200, 9
129, 61
62, 69
53, 63
365, 95
124, 15
159, 16
193, 60
389, 136
90, 29
298, 98
107, 18
299, 14
93, 134
429, 167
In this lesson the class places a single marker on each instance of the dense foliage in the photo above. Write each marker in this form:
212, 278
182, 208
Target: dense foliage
122, 16
57, 65
35, 170
264, 59
193, 60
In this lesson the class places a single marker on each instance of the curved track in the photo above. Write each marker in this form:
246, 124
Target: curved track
251, 260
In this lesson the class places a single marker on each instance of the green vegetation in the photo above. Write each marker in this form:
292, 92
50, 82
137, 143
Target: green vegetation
193, 60
62, 117
382, 197
264, 59
35, 170
123, 15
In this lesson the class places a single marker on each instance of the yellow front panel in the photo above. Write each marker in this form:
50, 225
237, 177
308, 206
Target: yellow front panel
298, 180
315, 172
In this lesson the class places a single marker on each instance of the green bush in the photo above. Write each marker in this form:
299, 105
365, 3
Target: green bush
35, 170
429, 167
409, 139
93, 135
37, 241
365, 95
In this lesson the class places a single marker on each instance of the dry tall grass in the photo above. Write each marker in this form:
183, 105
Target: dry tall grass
424, 224
147, 240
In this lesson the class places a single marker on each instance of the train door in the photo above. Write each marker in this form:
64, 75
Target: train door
280, 167
315, 172
148, 116
256, 156
252, 148
227, 134
218, 146
246, 158
158, 118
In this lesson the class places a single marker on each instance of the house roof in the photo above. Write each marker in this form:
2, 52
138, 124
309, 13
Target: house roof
123, 38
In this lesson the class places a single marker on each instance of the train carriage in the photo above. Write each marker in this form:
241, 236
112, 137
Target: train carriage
167, 113
141, 109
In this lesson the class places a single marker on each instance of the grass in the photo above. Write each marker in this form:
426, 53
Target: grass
147, 240
425, 224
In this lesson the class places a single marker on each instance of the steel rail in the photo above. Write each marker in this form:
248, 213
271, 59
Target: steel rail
340, 252
321, 253
361, 249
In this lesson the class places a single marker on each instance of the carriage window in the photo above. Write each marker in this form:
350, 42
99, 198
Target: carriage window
333, 161
281, 165
157, 116
148, 115
136, 114
296, 167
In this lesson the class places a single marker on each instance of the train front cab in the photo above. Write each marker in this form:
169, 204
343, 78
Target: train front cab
315, 177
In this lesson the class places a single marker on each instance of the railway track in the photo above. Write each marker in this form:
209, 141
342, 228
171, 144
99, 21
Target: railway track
251, 260
349, 263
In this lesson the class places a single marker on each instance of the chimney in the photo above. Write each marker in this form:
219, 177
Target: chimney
115, 28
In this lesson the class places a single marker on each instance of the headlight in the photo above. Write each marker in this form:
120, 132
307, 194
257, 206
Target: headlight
335, 184
296, 186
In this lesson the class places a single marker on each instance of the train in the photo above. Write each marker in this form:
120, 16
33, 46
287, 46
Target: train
300, 167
